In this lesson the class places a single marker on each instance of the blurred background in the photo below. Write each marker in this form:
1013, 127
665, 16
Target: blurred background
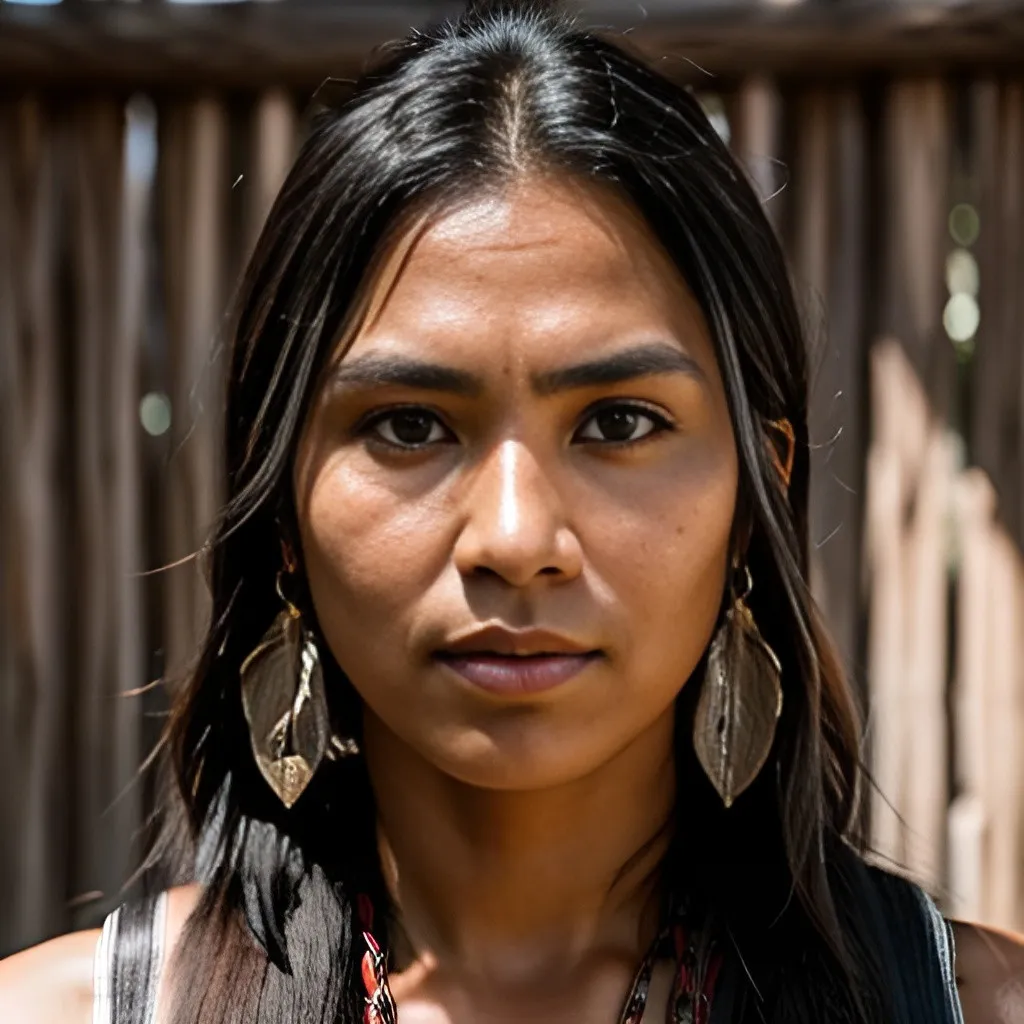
141, 142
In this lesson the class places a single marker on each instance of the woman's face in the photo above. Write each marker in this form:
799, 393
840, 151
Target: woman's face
516, 488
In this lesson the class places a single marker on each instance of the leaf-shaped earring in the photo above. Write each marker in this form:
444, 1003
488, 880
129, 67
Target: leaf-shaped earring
740, 702
285, 704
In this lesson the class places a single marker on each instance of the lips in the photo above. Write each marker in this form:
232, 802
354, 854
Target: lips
509, 662
509, 674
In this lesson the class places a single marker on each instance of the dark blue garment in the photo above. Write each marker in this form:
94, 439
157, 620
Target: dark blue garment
917, 943
899, 932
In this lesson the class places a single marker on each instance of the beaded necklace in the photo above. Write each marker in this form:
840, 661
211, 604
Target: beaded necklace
686, 1005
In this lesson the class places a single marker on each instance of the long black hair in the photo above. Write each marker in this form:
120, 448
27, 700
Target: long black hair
506, 90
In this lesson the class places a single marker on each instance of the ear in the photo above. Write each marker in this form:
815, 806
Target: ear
782, 449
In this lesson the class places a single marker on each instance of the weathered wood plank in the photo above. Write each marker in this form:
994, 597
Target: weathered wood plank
984, 170
966, 877
842, 383
274, 138
909, 492
972, 703
1009, 311
892, 394
913, 212
1004, 734
924, 683
94, 190
300, 42
996, 168
755, 111
108, 611
828, 191
34, 630
194, 212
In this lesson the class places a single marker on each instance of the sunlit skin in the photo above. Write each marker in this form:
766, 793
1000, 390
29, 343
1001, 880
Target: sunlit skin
567, 465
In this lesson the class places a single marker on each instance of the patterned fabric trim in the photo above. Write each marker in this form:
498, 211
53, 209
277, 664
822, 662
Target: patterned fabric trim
104, 984
690, 1000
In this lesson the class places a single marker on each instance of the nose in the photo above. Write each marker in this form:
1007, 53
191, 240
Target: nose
515, 525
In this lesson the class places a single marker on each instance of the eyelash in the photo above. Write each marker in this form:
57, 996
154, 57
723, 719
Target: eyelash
369, 427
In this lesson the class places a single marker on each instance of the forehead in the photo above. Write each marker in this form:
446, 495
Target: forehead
543, 262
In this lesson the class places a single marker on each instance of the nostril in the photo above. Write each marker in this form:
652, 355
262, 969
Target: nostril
485, 571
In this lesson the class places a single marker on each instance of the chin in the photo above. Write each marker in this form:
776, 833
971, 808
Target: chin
517, 757
512, 776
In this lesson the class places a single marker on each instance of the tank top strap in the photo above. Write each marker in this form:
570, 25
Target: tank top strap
127, 962
916, 947
941, 932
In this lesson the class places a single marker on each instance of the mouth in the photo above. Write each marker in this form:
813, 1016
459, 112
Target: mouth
517, 673
508, 662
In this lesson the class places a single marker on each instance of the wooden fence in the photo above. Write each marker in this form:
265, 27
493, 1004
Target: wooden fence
136, 165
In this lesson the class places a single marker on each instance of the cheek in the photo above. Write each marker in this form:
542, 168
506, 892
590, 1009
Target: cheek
665, 558
369, 552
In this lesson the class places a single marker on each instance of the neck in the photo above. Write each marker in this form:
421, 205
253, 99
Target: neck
510, 886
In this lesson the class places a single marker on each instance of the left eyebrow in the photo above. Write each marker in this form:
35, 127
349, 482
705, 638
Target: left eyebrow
641, 361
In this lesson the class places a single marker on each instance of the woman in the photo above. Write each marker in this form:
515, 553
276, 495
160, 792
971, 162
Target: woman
514, 704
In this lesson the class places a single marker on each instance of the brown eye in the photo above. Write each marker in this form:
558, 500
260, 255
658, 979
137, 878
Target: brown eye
409, 428
620, 424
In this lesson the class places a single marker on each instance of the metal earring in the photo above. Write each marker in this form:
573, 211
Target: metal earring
740, 701
285, 703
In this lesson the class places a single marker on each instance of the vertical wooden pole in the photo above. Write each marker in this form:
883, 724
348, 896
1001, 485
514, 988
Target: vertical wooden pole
1004, 735
965, 890
110, 657
755, 114
969, 878
38, 654
886, 472
194, 158
811, 239
917, 134
911, 396
925, 678
273, 149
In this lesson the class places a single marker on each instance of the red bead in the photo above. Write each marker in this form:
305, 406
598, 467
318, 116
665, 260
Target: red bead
369, 975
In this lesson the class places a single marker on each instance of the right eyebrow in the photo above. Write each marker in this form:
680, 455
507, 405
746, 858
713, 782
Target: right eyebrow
400, 371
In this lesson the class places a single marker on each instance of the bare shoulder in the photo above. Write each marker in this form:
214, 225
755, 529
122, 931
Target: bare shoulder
990, 973
52, 983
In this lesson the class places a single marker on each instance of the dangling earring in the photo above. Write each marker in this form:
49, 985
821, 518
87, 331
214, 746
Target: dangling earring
285, 702
740, 702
